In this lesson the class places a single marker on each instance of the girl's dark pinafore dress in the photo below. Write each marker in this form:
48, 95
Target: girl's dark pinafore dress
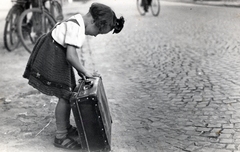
48, 70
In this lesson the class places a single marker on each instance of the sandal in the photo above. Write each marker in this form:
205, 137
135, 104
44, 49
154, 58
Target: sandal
72, 131
67, 143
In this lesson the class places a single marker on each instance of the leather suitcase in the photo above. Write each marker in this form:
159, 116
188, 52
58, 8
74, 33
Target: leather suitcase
92, 115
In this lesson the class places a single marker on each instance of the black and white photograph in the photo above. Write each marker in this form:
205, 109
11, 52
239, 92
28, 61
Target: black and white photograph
120, 75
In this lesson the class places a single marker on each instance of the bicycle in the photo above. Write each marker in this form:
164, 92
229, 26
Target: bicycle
10, 34
55, 9
153, 4
34, 22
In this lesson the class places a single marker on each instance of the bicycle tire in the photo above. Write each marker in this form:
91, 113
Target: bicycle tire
56, 10
32, 24
140, 7
10, 34
155, 7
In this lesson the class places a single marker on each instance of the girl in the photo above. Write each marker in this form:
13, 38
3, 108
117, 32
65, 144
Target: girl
50, 66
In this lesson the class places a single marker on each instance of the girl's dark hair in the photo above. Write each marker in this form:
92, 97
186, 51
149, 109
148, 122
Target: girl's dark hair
104, 16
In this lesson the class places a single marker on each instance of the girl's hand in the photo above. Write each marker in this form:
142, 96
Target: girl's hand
96, 74
88, 75
84, 76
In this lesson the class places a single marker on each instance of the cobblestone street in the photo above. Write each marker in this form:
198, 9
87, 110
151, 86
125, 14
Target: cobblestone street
172, 82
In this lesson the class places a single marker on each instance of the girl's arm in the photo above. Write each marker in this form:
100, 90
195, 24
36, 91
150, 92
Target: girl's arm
72, 58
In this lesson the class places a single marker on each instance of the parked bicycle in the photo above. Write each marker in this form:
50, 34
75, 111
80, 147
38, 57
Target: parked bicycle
28, 19
10, 34
143, 6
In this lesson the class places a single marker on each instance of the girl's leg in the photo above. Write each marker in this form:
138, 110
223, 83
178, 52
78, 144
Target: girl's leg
62, 114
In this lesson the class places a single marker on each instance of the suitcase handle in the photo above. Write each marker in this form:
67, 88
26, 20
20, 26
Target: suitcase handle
84, 86
86, 83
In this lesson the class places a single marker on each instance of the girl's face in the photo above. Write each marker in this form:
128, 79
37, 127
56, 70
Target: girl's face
93, 30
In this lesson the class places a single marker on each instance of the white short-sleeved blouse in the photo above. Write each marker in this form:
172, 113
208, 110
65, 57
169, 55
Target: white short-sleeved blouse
70, 33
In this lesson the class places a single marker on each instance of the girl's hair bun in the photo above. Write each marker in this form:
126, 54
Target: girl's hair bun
119, 25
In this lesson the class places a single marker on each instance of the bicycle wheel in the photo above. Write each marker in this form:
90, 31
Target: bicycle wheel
140, 7
56, 10
155, 7
10, 34
32, 24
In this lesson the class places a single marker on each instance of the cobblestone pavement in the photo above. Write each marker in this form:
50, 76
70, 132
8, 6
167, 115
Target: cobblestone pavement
172, 81
180, 79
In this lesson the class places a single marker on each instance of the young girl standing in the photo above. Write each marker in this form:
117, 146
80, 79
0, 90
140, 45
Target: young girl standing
50, 66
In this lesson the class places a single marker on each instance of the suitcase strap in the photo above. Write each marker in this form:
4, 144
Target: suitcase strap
80, 86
